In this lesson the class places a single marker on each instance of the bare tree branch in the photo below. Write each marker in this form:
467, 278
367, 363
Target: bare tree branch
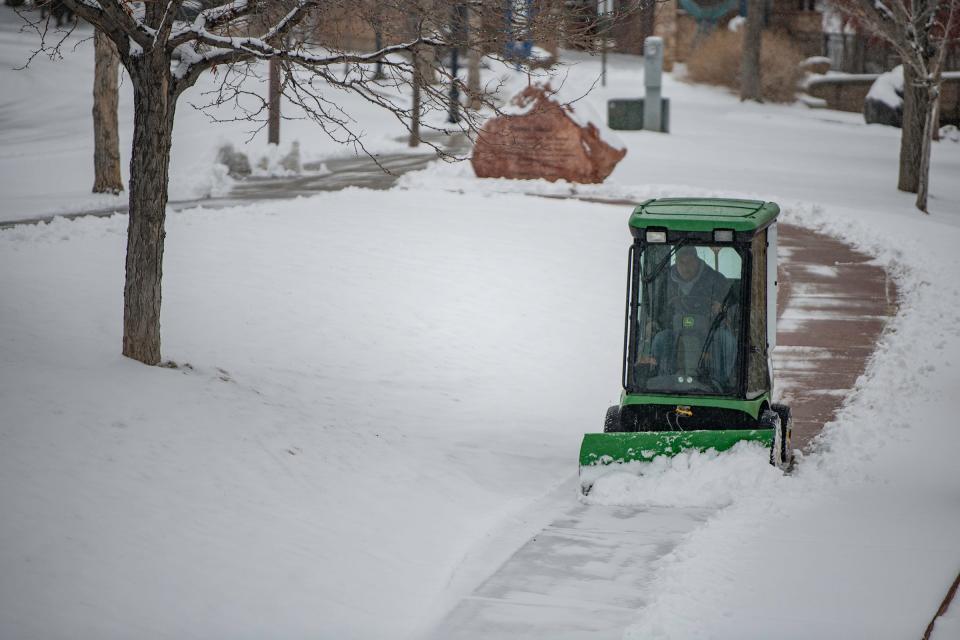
166, 23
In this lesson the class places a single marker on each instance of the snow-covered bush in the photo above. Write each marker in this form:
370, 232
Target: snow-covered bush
884, 101
717, 61
279, 162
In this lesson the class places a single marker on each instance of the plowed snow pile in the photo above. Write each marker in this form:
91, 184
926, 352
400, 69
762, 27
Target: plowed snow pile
691, 479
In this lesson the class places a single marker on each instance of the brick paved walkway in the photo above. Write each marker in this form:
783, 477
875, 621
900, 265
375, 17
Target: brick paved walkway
833, 306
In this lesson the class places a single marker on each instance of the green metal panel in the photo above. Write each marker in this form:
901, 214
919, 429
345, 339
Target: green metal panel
643, 446
704, 214
751, 407
625, 114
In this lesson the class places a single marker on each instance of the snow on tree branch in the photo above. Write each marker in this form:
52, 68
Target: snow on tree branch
211, 18
167, 21
236, 49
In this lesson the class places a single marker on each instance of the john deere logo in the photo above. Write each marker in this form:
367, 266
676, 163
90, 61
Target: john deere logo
688, 322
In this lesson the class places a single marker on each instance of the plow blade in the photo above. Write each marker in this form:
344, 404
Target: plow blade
602, 452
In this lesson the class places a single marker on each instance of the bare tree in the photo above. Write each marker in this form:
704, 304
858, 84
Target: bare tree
164, 55
106, 138
750, 60
915, 105
933, 83
920, 31
273, 132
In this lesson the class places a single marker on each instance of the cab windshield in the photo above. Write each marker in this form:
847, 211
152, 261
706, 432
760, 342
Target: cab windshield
685, 319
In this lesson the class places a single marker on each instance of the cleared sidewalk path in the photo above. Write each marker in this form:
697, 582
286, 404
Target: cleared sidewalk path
586, 574
357, 171
834, 303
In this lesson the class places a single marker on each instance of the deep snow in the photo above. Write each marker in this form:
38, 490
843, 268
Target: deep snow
382, 388
411, 373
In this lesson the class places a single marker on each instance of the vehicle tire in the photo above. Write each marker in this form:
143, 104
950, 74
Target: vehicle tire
611, 421
780, 452
786, 424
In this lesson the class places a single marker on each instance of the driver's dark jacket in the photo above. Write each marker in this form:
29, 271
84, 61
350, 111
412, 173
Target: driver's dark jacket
709, 287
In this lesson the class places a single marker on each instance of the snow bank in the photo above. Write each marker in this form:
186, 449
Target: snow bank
691, 479
201, 180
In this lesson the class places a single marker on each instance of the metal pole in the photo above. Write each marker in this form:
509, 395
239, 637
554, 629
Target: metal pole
652, 79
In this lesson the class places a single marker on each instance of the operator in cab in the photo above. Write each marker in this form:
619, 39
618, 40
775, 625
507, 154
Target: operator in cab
690, 338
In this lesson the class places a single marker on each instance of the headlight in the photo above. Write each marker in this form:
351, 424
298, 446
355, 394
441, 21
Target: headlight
723, 235
656, 236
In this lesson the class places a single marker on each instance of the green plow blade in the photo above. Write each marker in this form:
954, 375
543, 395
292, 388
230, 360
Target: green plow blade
643, 446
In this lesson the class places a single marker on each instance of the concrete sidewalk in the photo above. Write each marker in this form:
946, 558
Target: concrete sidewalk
379, 172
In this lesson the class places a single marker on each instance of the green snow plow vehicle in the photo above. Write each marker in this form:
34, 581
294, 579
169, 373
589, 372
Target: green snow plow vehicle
700, 330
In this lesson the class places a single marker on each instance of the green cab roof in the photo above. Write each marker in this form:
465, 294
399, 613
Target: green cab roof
704, 214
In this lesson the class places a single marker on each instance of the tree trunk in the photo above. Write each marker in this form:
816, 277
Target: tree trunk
473, 57
426, 66
750, 60
149, 173
378, 44
938, 80
273, 103
106, 140
916, 103
923, 183
648, 16
935, 134
415, 107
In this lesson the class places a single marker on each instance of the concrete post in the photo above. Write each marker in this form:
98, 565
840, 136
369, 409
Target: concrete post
652, 80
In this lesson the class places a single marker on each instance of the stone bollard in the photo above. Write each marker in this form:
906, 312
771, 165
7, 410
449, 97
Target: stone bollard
653, 81
651, 112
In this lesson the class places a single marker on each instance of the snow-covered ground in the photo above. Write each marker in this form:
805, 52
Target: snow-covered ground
47, 139
378, 392
376, 380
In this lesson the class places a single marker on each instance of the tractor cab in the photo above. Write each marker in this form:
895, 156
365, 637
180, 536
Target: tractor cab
700, 329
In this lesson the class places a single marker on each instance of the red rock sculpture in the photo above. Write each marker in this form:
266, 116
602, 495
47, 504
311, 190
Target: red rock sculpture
538, 137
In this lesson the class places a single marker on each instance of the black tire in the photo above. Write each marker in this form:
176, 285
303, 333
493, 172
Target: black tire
781, 453
611, 421
786, 424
